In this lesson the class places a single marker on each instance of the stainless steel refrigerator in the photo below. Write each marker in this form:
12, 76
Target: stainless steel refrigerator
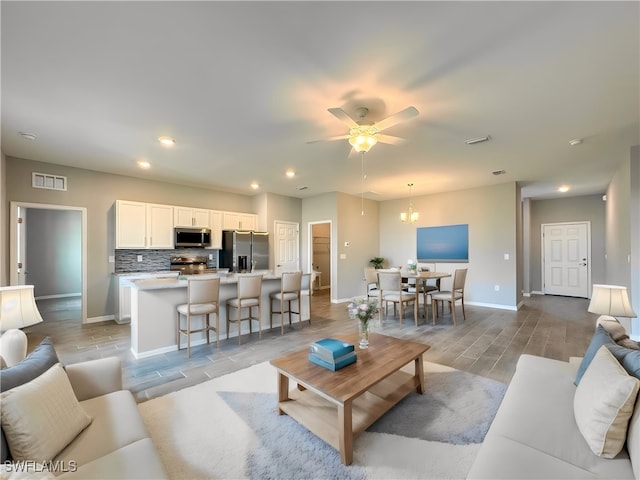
244, 250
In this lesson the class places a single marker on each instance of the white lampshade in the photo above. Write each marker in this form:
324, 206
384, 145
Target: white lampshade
18, 307
611, 300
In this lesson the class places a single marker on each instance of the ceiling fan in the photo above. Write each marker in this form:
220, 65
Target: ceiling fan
362, 135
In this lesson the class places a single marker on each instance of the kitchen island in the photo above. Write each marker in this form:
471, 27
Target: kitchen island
154, 316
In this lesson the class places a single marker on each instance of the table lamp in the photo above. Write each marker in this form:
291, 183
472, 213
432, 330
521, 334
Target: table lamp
18, 307
611, 300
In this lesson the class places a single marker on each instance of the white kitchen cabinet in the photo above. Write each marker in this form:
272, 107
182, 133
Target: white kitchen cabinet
143, 225
191, 217
125, 282
216, 229
239, 221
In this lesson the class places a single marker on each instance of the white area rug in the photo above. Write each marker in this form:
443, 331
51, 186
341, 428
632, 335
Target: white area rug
228, 428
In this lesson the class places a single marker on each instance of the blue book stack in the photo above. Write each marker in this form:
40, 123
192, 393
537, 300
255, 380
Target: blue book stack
332, 354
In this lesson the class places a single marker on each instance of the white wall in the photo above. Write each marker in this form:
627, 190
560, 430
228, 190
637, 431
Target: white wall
54, 252
4, 215
98, 192
491, 215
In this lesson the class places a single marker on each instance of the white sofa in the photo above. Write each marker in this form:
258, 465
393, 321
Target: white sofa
535, 433
116, 444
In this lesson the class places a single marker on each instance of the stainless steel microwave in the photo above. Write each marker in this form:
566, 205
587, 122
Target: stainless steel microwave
192, 237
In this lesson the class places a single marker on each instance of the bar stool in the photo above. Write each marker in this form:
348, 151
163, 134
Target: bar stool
290, 290
202, 300
249, 293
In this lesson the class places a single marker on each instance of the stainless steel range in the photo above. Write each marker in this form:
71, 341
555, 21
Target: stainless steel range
191, 265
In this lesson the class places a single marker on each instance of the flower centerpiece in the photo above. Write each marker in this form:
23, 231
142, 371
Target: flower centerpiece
412, 266
363, 309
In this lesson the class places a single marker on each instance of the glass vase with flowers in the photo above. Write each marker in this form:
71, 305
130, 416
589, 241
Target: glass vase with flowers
363, 310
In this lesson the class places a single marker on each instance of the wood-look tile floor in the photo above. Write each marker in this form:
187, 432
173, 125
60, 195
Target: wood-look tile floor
488, 343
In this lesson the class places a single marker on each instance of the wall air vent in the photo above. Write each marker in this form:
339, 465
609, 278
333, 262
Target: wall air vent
50, 182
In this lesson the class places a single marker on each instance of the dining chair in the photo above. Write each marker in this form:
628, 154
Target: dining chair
249, 293
202, 300
371, 282
390, 290
290, 290
456, 294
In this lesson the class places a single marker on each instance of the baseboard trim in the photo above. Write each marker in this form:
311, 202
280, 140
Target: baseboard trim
60, 295
170, 348
492, 305
103, 318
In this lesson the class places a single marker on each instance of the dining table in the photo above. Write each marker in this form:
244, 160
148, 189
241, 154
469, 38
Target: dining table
421, 277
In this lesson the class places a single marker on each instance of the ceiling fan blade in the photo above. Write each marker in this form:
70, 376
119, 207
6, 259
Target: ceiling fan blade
390, 139
401, 116
342, 116
330, 139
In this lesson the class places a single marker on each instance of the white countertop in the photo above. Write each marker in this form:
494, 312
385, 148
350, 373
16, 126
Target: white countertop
153, 272
181, 282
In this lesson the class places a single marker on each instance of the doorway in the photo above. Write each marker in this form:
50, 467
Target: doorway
320, 255
566, 259
53, 240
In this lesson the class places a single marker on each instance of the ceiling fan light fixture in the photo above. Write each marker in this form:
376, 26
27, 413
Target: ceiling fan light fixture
362, 141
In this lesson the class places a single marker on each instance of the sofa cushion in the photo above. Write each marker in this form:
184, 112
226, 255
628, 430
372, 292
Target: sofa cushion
633, 440
536, 421
42, 416
116, 423
600, 337
35, 364
604, 402
137, 460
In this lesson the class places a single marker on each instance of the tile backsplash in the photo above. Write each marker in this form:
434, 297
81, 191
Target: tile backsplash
126, 261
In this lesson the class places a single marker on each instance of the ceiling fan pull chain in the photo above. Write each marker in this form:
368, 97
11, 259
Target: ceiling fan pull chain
362, 180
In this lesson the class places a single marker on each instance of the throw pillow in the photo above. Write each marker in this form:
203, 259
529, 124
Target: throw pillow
41, 359
41, 417
37, 362
603, 404
628, 343
629, 358
613, 328
617, 332
600, 337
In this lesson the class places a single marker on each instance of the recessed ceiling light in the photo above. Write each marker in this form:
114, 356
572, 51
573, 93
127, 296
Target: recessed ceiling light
255, 185
290, 173
167, 141
27, 136
563, 189
471, 141
144, 164
575, 141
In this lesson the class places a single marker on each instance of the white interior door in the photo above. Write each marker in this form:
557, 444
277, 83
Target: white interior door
287, 250
566, 259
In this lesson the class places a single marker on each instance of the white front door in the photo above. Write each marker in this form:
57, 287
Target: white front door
566, 259
287, 251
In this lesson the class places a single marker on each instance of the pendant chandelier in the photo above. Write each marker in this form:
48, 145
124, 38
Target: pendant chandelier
411, 216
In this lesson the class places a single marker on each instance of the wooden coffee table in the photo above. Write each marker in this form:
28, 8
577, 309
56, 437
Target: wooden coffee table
338, 406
